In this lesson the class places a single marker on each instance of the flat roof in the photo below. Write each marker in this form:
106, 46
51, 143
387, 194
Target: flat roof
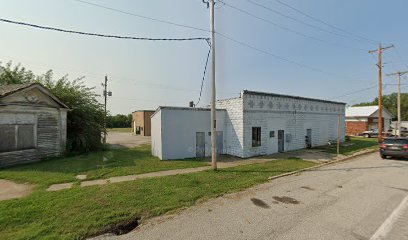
184, 108
288, 96
143, 111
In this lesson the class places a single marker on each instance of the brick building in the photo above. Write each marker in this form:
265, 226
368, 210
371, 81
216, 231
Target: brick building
253, 124
360, 119
141, 124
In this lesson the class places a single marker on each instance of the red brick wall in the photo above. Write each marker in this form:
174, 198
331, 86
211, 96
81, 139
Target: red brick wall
354, 128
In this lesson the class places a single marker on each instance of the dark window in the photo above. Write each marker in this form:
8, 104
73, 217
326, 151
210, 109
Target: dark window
7, 138
272, 134
25, 137
16, 137
256, 136
395, 141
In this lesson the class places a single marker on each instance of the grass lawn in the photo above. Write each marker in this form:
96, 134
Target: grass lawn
354, 145
120, 130
117, 162
79, 212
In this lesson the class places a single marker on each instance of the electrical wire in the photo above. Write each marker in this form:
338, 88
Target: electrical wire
291, 30
300, 21
324, 22
205, 70
275, 56
141, 16
353, 92
400, 56
99, 34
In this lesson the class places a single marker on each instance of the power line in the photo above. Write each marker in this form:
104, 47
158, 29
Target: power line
400, 56
291, 30
354, 92
99, 34
300, 21
141, 16
324, 22
205, 70
274, 55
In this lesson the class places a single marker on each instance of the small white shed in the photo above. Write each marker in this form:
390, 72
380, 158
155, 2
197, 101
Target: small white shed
181, 132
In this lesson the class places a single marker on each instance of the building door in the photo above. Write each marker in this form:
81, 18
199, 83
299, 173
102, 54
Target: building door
200, 144
281, 141
308, 138
137, 130
220, 142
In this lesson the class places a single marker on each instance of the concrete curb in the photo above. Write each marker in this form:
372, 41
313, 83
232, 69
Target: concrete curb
364, 152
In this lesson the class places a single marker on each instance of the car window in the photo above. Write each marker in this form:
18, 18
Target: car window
396, 141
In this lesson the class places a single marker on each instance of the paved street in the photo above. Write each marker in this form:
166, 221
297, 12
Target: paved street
365, 198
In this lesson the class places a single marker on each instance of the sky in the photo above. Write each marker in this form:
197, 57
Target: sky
274, 48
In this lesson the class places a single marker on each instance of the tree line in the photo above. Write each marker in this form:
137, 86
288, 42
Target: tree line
119, 121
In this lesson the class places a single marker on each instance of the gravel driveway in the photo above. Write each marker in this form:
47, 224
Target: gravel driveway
126, 140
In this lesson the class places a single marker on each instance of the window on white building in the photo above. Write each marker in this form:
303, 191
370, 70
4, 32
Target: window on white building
256, 136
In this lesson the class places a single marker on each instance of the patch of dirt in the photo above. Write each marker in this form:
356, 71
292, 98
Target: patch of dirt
287, 200
12, 190
308, 188
259, 203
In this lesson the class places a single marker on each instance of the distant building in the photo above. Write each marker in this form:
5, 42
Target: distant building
141, 124
404, 124
33, 124
253, 124
360, 119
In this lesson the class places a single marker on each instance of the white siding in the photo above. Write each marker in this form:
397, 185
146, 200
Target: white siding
234, 126
178, 132
294, 116
157, 135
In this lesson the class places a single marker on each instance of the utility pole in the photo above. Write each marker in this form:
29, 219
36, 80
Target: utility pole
379, 65
105, 95
213, 96
398, 74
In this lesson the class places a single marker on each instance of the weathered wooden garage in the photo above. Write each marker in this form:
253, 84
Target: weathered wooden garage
33, 124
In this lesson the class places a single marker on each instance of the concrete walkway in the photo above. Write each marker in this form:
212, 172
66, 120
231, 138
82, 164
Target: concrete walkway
221, 165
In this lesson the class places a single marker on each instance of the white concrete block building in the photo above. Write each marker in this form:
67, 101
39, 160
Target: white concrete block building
256, 123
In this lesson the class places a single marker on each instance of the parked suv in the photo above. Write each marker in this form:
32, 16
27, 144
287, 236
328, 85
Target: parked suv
394, 147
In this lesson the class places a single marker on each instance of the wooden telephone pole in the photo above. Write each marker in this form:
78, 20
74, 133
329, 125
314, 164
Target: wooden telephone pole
105, 95
379, 51
398, 74
213, 96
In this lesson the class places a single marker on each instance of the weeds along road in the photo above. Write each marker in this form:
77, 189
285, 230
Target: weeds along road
364, 198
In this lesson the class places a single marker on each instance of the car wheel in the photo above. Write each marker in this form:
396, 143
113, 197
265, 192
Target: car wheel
366, 135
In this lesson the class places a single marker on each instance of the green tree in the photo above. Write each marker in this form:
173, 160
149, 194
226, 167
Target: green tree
85, 118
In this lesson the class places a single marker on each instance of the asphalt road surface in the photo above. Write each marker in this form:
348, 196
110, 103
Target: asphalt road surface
364, 198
